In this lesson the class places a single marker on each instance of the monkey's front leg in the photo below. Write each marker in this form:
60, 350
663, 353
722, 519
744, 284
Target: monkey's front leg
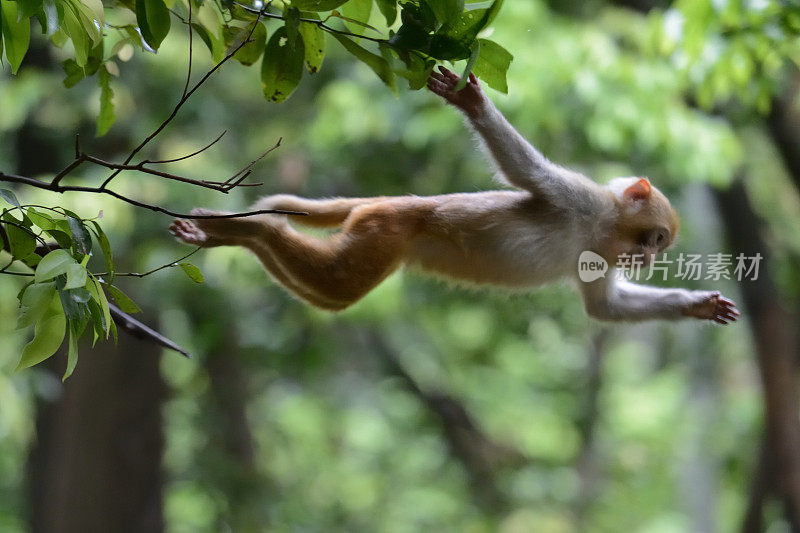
622, 300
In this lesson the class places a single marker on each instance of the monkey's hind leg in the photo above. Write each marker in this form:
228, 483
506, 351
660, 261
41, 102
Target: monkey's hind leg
336, 272
229, 233
321, 213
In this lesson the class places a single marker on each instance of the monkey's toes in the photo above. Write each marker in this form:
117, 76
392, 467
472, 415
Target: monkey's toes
186, 231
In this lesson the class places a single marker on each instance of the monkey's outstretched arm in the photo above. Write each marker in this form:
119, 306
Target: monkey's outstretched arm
623, 300
522, 164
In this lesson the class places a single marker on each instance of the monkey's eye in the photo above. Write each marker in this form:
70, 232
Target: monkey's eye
660, 238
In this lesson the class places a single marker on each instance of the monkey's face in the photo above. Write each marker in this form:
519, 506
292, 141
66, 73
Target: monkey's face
646, 223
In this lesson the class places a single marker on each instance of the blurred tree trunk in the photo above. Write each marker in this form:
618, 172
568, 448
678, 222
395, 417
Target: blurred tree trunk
775, 334
95, 464
784, 125
588, 461
230, 464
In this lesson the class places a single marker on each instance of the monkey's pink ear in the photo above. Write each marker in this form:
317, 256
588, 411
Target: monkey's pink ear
638, 191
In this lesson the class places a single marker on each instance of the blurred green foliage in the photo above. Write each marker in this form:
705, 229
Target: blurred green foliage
342, 444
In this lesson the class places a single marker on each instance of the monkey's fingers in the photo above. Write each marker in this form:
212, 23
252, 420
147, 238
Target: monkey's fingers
437, 86
449, 74
439, 77
441, 89
725, 310
728, 312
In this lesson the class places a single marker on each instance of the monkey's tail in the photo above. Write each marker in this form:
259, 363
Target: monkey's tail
321, 213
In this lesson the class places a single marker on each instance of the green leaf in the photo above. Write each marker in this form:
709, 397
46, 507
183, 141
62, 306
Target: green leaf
105, 246
98, 321
80, 235
388, 9
314, 45
446, 10
378, 64
43, 220
1, 33
418, 71
239, 13
112, 329
73, 301
192, 271
492, 65
124, 302
74, 72
53, 264
210, 19
48, 18
415, 33
76, 328
106, 117
292, 16
317, 5
48, 335
250, 52
76, 276
16, 33
137, 39
32, 260
281, 68
356, 14
61, 237
80, 295
28, 8
153, 19
35, 301
73, 28
9, 196
466, 27
21, 241
96, 290
91, 19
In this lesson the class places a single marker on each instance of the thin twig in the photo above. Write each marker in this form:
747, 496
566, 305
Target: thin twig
203, 149
189, 74
247, 168
98, 190
178, 106
153, 271
79, 158
320, 23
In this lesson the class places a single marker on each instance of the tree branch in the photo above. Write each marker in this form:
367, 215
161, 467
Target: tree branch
234, 181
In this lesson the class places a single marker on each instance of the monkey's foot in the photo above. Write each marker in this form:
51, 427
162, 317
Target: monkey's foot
188, 232
715, 307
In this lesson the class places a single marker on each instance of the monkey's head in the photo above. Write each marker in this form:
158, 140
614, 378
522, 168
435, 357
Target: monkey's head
646, 223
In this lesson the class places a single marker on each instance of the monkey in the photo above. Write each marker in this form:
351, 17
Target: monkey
518, 238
